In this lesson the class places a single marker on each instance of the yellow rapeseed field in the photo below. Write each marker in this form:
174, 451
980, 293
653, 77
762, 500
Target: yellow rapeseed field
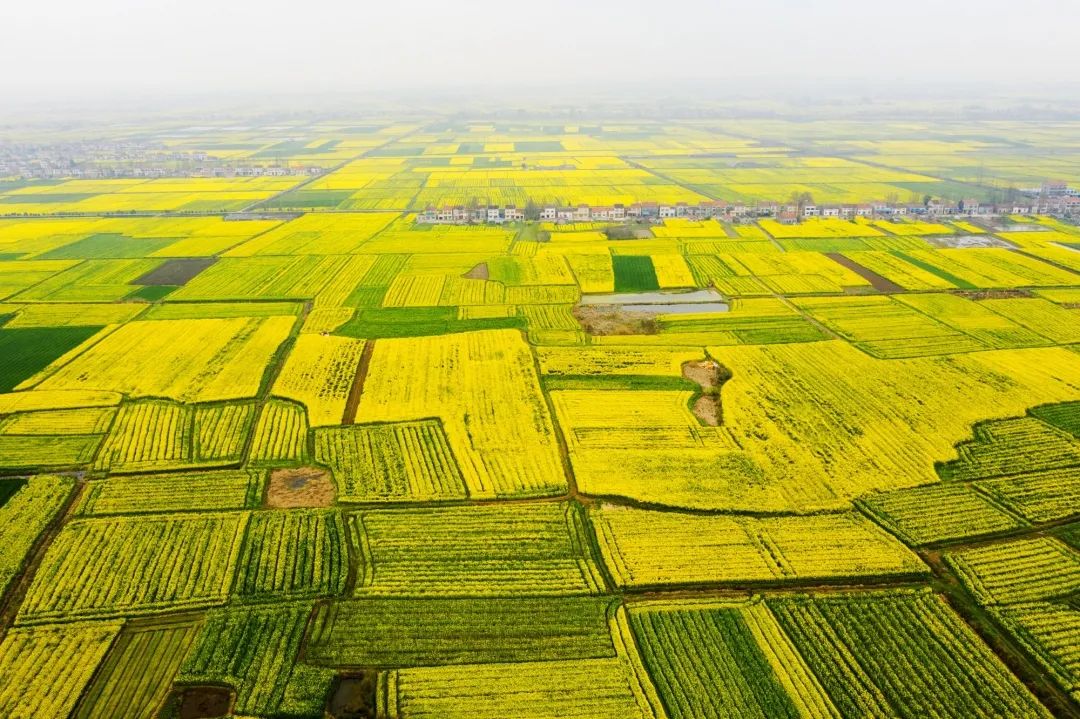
319, 373
484, 388
188, 360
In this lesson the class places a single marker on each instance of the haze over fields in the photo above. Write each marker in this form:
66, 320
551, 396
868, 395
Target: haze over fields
135, 46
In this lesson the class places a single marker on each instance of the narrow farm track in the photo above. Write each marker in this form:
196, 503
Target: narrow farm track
810, 150
1040, 530
355, 559
1048, 261
773, 240
804, 149
360, 155
693, 590
253, 207
879, 283
357, 387
560, 437
973, 185
809, 318
1014, 656
273, 369
17, 592
668, 178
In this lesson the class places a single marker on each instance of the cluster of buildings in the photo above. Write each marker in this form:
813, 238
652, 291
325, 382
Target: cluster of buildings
1050, 199
254, 171
102, 172
125, 160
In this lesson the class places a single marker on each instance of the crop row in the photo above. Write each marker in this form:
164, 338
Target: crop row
150, 435
390, 461
537, 549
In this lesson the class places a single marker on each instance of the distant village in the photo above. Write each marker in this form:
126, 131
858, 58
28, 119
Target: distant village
131, 160
62, 172
1052, 198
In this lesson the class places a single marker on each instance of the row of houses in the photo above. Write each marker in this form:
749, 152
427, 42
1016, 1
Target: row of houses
1065, 205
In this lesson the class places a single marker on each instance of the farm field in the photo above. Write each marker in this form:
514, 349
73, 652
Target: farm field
272, 448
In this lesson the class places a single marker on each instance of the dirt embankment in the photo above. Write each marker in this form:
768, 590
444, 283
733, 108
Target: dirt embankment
613, 320
710, 375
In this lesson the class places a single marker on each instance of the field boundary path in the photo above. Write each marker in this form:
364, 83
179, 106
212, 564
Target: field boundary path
334, 168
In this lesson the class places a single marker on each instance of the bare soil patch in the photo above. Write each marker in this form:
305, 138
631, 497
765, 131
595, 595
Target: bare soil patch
176, 272
707, 409
703, 372
628, 232
879, 283
205, 703
480, 272
354, 697
613, 320
300, 487
710, 375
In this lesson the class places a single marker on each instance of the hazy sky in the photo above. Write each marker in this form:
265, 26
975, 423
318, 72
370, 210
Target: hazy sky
92, 46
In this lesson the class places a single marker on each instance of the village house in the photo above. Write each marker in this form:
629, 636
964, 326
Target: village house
789, 214
702, 210
973, 208
645, 210
1055, 188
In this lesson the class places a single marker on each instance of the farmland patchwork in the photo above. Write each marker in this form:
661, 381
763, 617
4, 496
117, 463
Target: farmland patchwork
325, 442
